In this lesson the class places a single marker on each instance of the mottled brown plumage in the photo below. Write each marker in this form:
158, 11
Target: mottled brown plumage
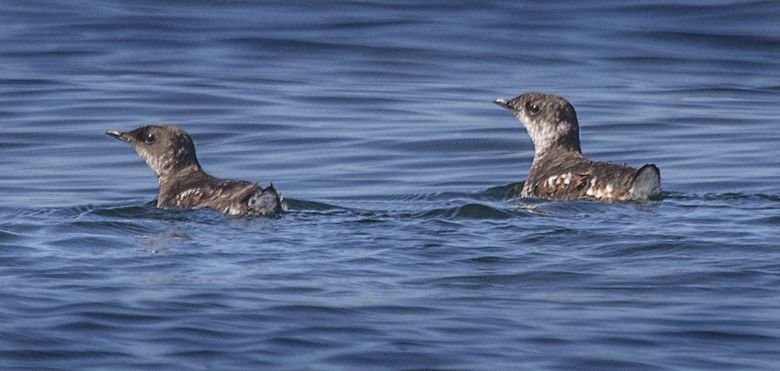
559, 170
170, 153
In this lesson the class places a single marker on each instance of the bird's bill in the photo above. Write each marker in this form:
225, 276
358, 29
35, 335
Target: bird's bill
504, 103
118, 135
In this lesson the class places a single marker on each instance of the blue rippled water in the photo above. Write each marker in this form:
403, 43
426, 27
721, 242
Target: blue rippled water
406, 246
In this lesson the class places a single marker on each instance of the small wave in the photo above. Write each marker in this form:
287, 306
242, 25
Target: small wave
131, 211
7, 236
470, 211
727, 196
497, 193
494, 203
149, 210
304, 205
505, 192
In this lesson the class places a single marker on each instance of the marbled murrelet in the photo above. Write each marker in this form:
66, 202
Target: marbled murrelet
170, 153
560, 171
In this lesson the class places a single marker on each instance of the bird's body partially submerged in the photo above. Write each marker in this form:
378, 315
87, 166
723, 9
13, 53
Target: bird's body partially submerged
560, 171
170, 153
568, 176
232, 197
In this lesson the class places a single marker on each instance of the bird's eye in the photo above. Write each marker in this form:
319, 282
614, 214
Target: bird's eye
150, 138
533, 109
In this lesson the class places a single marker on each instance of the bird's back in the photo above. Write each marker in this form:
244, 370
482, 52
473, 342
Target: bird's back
232, 197
575, 177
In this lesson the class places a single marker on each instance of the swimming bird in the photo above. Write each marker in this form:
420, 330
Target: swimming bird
170, 153
559, 170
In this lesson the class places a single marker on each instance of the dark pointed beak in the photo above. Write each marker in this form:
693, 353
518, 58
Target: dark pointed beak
504, 103
118, 135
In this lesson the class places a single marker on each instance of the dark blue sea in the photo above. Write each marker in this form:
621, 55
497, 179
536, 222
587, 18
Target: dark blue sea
407, 245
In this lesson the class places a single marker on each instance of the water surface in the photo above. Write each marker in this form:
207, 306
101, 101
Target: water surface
406, 246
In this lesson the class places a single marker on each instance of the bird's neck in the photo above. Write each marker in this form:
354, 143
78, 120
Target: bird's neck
171, 177
556, 150
172, 183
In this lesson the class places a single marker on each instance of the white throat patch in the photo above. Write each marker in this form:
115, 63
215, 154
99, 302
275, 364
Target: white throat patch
157, 163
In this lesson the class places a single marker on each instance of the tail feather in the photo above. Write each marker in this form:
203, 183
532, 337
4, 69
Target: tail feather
646, 183
267, 202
